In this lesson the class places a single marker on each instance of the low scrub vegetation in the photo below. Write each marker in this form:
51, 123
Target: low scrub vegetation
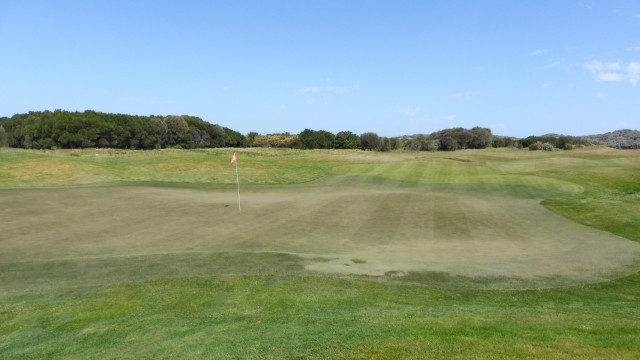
71, 130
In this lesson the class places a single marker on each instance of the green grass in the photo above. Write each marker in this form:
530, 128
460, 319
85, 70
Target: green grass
311, 316
335, 254
90, 166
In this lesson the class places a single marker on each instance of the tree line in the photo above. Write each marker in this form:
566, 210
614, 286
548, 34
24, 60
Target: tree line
70, 130
448, 140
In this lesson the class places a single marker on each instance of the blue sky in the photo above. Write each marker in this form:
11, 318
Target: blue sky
392, 67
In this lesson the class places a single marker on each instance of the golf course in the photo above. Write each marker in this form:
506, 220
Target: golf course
471, 254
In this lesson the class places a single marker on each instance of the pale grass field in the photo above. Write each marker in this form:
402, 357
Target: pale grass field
475, 231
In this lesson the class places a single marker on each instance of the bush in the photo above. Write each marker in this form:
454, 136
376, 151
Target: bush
547, 147
535, 146
370, 141
421, 143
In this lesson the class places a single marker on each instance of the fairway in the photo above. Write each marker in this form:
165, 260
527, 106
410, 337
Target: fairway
335, 254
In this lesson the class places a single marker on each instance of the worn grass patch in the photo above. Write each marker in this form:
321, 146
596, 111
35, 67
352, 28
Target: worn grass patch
466, 231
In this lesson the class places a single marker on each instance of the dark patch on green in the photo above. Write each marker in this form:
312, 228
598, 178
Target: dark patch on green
445, 280
458, 159
21, 275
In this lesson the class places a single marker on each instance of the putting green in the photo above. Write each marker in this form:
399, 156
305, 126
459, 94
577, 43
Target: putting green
338, 225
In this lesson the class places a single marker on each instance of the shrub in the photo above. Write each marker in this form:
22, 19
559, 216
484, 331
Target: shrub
535, 146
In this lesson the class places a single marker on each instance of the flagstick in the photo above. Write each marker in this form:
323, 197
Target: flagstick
238, 181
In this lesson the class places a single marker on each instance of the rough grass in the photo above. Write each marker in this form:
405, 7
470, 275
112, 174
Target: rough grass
137, 255
35, 168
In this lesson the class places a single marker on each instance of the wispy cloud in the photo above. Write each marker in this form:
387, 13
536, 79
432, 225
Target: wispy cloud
311, 89
328, 89
615, 71
637, 16
462, 95
634, 72
586, 6
633, 48
539, 52
317, 102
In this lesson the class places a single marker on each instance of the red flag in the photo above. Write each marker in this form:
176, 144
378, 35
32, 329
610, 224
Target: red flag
233, 158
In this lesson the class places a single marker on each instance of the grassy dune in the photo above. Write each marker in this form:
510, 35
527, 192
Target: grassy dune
341, 254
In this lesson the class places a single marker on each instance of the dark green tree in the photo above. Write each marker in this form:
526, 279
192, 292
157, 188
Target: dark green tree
562, 142
480, 138
448, 143
346, 140
177, 130
311, 139
498, 142
161, 131
233, 138
4, 139
396, 143
251, 138
421, 142
526, 142
385, 144
370, 141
